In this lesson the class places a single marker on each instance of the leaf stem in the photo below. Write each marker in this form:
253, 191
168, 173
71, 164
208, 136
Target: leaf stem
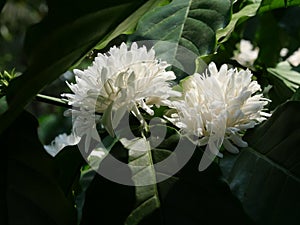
57, 101
52, 100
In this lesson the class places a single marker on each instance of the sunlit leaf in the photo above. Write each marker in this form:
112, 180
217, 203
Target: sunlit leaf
191, 24
246, 12
284, 72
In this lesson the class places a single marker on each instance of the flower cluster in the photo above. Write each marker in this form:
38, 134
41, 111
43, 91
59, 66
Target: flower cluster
216, 107
119, 81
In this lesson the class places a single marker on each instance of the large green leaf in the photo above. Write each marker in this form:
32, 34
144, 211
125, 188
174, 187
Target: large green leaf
54, 46
141, 163
191, 24
266, 176
35, 191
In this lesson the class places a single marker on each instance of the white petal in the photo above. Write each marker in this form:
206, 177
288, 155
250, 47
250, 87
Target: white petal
230, 147
212, 69
60, 142
237, 140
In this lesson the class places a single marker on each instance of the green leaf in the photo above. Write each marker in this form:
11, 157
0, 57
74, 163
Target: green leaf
33, 192
266, 176
284, 81
141, 164
268, 5
284, 72
244, 13
55, 48
191, 24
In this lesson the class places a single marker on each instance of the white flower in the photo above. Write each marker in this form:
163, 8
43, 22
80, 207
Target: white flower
60, 142
247, 54
284, 52
218, 106
119, 81
294, 59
